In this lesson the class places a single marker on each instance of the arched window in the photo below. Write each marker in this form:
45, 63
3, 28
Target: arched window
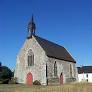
30, 58
70, 70
55, 69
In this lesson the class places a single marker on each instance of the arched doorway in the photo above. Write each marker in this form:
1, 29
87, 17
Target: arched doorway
61, 78
29, 79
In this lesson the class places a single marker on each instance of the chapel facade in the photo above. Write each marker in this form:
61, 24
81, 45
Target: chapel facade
44, 61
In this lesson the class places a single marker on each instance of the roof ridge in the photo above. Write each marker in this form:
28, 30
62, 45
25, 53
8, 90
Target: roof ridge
50, 41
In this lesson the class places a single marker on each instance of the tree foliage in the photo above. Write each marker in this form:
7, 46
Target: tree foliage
5, 73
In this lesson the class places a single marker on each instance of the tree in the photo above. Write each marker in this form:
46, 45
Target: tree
5, 74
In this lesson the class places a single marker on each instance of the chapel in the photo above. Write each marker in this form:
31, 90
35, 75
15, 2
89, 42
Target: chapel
44, 61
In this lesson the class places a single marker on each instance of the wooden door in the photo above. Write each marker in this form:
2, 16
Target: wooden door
61, 78
29, 79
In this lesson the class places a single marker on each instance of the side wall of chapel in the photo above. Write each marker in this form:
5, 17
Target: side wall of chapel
62, 67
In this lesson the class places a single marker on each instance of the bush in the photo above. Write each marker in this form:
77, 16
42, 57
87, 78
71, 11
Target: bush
13, 81
36, 82
5, 81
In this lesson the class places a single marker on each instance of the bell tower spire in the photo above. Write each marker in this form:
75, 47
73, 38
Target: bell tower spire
31, 28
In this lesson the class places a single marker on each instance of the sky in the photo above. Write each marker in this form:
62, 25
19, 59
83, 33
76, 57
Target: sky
65, 22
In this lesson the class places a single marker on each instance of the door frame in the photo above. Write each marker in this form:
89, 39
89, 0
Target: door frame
30, 80
61, 78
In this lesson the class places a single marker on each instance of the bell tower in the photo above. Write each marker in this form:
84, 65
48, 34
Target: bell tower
31, 28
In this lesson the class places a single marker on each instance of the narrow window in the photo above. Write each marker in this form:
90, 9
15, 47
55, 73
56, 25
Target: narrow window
87, 75
46, 70
55, 69
70, 70
46, 74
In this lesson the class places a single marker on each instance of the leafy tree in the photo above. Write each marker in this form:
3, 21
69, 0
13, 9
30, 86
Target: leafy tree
5, 74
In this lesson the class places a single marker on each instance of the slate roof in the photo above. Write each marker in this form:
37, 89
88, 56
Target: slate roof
55, 51
84, 69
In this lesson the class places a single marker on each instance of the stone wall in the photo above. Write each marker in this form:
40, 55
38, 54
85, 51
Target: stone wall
62, 67
38, 70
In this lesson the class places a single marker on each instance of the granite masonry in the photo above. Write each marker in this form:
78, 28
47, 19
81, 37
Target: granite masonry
44, 61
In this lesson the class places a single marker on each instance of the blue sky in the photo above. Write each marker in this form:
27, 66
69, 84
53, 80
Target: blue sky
65, 22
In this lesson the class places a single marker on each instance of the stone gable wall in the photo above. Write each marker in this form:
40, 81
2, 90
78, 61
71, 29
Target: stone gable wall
38, 70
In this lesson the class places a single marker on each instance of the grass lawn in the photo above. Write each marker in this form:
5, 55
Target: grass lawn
82, 87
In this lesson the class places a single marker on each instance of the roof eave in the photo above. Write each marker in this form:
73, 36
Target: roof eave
62, 59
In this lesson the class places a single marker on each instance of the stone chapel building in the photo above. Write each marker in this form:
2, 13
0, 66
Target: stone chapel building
43, 60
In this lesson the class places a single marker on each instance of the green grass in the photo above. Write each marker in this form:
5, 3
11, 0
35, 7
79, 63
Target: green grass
82, 87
